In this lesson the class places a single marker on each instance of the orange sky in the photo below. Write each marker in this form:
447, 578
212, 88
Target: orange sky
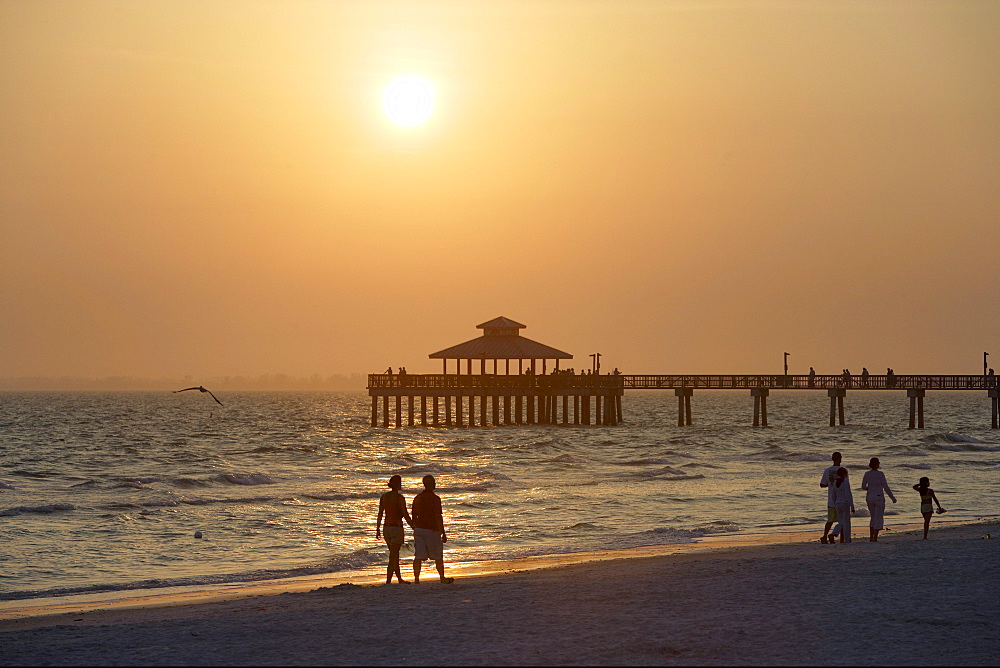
212, 188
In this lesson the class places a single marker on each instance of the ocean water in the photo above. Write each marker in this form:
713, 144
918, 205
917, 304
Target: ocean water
104, 491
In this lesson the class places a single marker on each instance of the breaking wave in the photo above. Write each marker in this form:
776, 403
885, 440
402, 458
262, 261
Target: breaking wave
245, 478
352, 561
49, 508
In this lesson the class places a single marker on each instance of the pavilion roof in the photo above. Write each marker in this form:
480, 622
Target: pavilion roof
500, 348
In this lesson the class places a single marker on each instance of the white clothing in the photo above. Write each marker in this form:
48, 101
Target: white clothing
843, 521
843, 499
877, 486
876, 509
841, 494
829, 475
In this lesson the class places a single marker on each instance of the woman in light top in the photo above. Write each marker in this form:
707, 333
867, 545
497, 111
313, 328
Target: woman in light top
877, 487
843, 501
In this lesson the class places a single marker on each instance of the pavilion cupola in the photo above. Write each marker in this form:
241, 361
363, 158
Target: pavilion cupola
501, 327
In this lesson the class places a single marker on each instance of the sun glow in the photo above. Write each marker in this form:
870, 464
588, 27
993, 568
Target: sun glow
408, 100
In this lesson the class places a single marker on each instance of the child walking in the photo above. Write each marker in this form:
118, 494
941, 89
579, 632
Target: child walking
926, 497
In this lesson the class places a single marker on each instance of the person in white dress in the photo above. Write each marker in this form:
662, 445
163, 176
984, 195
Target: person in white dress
877, 487
843, 501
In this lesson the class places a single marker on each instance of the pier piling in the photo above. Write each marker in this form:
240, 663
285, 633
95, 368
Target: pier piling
759, 395
683, 395
916, 407
836, 405
995, 401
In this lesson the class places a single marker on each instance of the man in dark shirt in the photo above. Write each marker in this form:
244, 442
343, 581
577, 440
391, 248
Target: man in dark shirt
428, 530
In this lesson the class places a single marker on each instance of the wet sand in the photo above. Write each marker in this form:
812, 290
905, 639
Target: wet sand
726, 600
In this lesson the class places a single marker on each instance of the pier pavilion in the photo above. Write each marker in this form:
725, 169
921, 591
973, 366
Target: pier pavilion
529, 395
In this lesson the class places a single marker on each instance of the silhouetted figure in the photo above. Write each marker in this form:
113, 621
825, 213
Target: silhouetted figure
812, 377
429, 536
388, 371
826, 481
926, 497
392, 505
890, 378
877, 487
843, 501
200, 389
991, 379
847, 377
864, 376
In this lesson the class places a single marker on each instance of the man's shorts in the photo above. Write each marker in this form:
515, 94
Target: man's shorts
393, 534
831, 514
427, 545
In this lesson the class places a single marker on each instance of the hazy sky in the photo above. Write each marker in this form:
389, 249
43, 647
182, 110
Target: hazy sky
213, 188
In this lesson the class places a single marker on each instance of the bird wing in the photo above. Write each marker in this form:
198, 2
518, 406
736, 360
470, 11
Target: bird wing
214, 397
186, 389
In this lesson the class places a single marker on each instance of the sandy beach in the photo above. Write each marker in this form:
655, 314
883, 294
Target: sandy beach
901, 601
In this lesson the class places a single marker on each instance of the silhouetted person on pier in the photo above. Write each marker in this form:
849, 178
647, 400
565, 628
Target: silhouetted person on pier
877, 487
826, 481
812, 377
890, 378
926, 497
388, 371
392, 505
991, 380
428, 530
864, 376
847, 377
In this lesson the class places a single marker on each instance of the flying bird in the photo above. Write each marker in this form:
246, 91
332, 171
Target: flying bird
200, 389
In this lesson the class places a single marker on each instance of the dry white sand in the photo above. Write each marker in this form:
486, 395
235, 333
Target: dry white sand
901, 601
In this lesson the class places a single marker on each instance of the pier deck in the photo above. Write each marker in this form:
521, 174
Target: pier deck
526, 398
809, 382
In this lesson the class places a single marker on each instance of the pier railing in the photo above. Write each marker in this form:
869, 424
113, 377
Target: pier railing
667, 382
809, 382
518, 382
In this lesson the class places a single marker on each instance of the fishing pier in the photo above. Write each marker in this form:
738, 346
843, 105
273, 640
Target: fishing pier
489, 393
527, 395
836, 387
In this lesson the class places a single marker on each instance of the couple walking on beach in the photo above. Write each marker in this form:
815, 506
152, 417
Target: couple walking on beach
840, 500
427, 523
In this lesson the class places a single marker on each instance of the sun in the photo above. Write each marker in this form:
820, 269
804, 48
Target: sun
408, 100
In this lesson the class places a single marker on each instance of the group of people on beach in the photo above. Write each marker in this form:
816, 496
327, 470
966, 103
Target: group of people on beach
840, 500
426, 520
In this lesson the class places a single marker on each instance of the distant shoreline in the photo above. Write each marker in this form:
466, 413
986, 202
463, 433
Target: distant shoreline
265, 383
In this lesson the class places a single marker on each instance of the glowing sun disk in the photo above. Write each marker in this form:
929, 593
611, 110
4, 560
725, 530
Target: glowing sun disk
408, 100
